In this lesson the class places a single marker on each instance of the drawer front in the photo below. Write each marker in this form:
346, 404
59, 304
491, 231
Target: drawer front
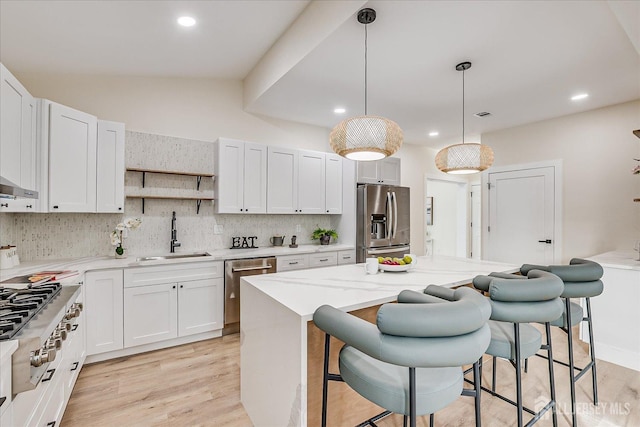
292, 262
325, 259
153, 275
347, 257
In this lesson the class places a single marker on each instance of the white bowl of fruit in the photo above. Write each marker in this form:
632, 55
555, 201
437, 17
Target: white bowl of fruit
396, 264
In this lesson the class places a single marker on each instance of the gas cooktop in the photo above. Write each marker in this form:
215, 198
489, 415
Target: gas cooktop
19, 305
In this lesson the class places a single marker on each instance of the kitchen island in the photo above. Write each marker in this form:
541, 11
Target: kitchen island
281, 349
615, 312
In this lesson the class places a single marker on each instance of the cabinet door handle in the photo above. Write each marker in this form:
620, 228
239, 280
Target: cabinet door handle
547, 241
324, 259
75, 366
174, 286
55, 207
181, 286
120, 208
51, 424
4, 205
2, 399
293, 263
50, 372
29, 206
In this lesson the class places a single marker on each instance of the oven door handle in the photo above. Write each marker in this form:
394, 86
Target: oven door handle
262, 267
2, 399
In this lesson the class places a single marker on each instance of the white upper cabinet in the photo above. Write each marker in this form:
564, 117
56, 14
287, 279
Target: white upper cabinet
282, 181
18, 151
72, 160
333, 183
241, 177
13, 96
311, 182
28, 157
110, 167
256, 178
81, 162
385, 171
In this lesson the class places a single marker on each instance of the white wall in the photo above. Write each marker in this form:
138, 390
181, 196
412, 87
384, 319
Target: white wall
202, 109
416, 161
597, 149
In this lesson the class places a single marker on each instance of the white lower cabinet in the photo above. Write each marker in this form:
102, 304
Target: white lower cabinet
347, 257
104, 298
165, 302
292, 262
150, 314
320, 259
197, 300
323, 259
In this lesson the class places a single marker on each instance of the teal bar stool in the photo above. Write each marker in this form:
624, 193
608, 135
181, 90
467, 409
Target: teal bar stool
517, 301
410, 361
581, 280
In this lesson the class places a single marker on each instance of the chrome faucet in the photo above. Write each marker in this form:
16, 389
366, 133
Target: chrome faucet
174, 241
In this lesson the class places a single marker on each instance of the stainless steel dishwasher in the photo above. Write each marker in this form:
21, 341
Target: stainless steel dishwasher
233, 271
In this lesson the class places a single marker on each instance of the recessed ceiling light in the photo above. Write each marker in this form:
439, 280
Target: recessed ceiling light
186, 21
579, 96
434, 133
340, 110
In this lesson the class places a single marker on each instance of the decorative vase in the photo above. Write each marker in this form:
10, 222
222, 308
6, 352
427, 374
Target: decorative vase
120, 253
324, 240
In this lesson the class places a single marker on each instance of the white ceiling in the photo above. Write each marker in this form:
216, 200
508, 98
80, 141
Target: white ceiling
301, 59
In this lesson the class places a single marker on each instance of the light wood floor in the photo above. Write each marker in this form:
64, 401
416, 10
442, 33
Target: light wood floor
199, 385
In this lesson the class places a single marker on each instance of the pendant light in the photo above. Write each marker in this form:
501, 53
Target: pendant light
464, 158
366, 137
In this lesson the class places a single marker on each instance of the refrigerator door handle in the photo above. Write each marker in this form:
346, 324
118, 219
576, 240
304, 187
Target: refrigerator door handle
395, 214
389, 222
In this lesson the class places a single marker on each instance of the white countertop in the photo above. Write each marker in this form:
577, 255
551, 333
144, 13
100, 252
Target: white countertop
7, 348
348, 288
108, 262
626, 260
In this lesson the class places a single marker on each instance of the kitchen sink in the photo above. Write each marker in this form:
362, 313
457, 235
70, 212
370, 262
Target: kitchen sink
172, 256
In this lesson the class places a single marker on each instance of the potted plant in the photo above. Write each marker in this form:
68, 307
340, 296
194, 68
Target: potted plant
324, 235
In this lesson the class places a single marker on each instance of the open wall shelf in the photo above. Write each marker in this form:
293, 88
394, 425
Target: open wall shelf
198, 176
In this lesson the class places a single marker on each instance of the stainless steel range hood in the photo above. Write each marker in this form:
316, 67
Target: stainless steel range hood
11, 190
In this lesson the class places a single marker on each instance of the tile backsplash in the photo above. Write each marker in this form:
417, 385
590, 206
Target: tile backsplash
66, 235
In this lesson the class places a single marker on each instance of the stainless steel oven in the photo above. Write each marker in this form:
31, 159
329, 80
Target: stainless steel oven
233, 271
40, 318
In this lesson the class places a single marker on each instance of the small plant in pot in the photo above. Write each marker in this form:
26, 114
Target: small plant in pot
324, 235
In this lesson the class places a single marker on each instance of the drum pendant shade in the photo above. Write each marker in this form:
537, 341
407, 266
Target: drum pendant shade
366, 137
464, 158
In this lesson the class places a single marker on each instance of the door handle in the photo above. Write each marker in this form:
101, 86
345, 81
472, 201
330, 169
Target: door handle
266, 267
395, 214
389, 222
548, 241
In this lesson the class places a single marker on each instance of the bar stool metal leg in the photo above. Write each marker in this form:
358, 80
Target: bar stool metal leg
552, 382
572, 377
516, 332
412, 396
594, 377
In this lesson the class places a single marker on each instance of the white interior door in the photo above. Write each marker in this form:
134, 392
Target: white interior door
521, 209
448, 233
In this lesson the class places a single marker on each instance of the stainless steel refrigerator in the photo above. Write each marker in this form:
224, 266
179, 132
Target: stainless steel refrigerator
383, 221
